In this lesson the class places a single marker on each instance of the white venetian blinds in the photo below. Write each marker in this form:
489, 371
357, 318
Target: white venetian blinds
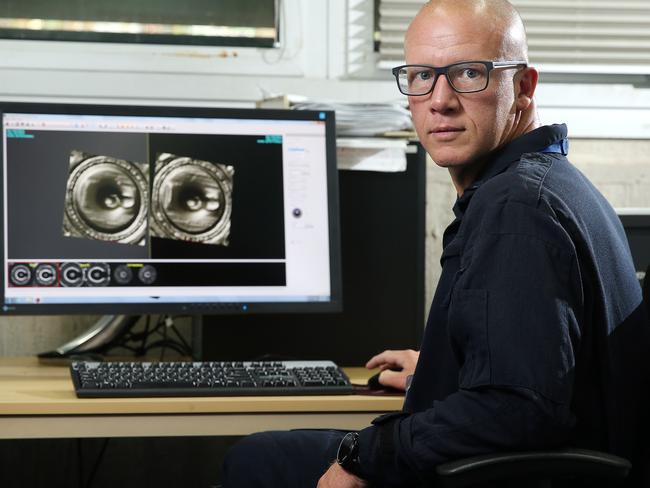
571, 36
394, 18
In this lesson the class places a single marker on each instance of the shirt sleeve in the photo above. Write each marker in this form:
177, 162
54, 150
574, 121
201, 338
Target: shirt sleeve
513, 323
403, 449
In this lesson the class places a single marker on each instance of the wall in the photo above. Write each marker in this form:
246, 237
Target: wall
26, 336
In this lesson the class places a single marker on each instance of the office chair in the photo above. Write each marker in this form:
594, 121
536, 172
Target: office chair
534, 469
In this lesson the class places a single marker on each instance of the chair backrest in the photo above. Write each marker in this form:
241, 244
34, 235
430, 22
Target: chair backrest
535, 469
644, 475
646, 290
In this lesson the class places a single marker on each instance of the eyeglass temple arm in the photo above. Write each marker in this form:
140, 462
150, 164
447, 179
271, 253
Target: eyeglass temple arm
506, 64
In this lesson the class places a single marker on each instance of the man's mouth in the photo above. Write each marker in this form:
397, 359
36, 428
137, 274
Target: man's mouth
443, 129
445, 133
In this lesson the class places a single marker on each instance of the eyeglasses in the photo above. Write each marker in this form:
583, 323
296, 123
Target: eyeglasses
465, 77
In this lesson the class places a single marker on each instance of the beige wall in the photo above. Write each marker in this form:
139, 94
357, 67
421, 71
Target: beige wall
619, 168
23, 336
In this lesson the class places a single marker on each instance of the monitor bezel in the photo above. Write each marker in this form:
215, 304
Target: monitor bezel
189, 308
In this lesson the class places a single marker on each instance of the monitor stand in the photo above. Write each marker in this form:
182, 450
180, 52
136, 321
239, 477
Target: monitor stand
106, 330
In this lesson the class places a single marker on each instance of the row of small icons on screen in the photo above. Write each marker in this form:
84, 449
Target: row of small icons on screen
82, 125
72, 274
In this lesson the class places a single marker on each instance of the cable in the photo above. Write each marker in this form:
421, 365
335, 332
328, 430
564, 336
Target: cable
180, 337
145, 334
282, 26
93, 471
164, 344
98, 460
140, 343
164, 341
80, 463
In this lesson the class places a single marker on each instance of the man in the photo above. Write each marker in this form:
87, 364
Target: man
537, 323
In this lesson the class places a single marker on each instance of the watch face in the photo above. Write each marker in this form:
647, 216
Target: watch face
348, 453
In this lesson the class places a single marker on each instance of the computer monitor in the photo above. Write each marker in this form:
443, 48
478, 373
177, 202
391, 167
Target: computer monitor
636, 222
130, 210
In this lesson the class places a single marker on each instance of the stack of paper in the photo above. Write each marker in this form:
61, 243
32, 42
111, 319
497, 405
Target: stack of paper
364, 119
371, 154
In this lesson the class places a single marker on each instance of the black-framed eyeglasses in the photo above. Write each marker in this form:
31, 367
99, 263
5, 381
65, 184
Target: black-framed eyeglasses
464, 77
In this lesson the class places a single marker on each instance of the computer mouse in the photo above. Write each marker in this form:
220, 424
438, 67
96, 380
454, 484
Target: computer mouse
374, 384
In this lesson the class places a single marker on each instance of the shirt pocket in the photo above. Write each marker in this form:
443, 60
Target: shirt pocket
467, 322
451, 270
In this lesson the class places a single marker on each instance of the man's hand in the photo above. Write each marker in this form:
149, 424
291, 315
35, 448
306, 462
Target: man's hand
395, 366
337, 477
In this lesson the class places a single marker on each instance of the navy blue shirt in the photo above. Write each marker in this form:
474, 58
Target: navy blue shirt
535, 330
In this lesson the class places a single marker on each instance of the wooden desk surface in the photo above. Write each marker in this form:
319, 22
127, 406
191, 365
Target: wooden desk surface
39, 401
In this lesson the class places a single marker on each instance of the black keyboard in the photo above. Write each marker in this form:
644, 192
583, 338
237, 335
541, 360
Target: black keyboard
207, 378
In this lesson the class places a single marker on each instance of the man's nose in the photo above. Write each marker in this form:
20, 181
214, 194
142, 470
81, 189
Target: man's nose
443, 97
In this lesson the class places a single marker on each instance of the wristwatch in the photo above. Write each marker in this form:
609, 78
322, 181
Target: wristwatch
348, 453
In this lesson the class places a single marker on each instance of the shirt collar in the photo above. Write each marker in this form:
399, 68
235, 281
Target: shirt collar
502, 158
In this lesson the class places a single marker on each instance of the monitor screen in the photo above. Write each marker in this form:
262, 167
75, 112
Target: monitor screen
120, 209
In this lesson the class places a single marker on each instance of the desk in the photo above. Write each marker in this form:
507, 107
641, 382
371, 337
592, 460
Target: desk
38, 401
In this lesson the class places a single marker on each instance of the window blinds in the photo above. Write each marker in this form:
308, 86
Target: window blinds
570, 36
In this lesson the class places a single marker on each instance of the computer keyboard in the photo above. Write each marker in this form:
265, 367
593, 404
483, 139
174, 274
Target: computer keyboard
207, 378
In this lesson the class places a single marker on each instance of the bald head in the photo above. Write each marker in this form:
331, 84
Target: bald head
459, 128
488, 21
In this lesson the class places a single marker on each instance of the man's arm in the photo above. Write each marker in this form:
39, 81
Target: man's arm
407, 448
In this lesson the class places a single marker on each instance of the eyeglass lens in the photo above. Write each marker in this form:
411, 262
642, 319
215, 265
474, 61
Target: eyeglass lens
464, 77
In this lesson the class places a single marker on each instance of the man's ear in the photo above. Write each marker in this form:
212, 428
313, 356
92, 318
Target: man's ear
525, 84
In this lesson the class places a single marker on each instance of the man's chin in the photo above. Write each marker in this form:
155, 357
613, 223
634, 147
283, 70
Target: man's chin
448, 156
446, 162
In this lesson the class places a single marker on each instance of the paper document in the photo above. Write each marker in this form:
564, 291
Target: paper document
364, 119
371, 154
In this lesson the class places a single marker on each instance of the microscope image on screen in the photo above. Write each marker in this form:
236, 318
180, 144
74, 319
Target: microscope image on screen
106, 199
191, 200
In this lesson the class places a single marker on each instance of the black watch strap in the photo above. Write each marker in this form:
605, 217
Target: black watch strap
348, 453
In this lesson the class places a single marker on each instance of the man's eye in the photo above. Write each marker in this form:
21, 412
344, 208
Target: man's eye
470, 73
423, 75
